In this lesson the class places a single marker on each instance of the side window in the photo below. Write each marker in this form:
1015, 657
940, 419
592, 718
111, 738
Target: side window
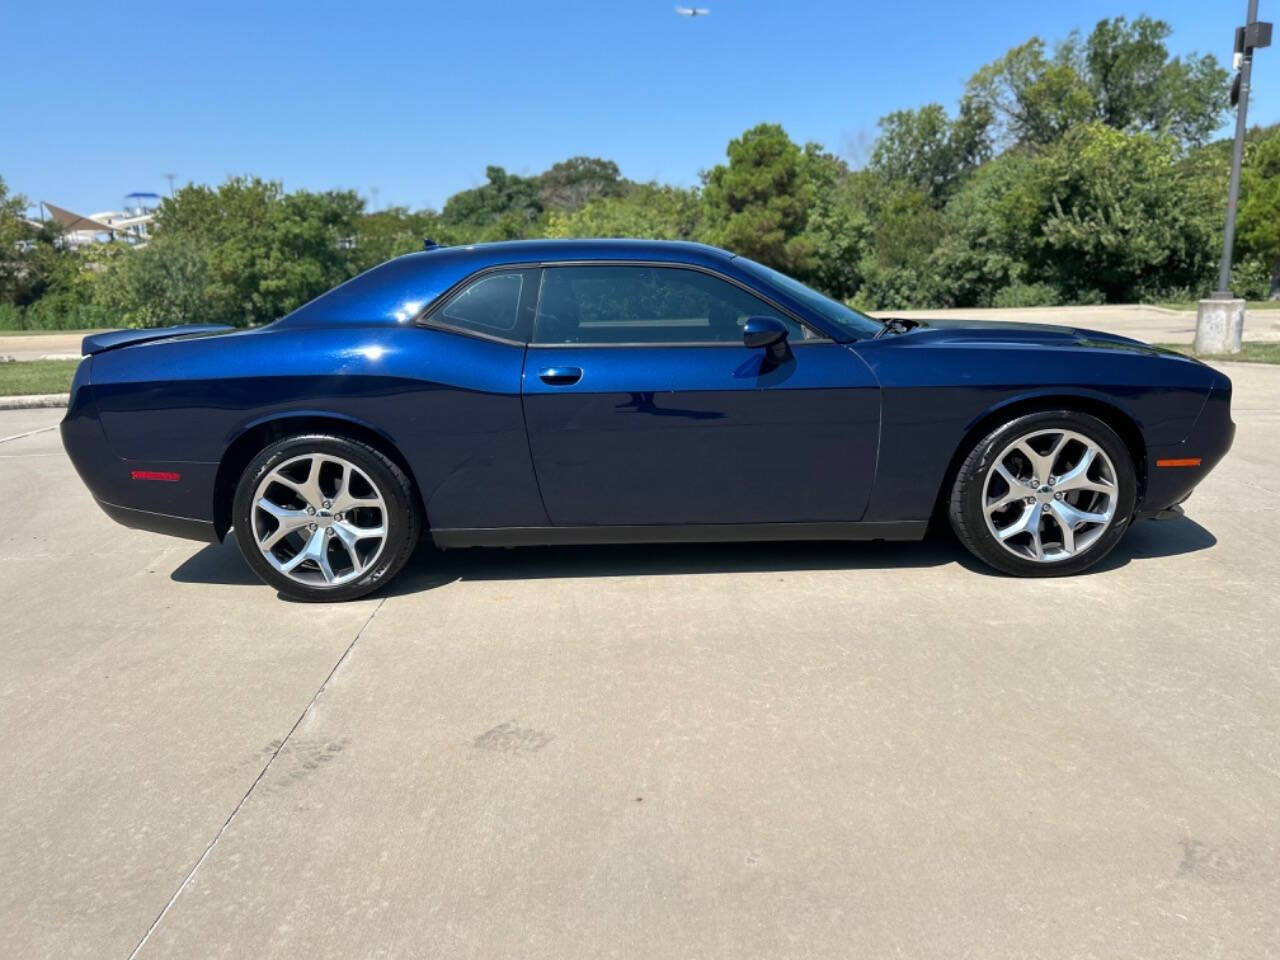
490, 305
636, 304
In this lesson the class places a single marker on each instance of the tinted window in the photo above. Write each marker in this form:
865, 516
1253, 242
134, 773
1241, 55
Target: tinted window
490, 305
856, 324
645, 305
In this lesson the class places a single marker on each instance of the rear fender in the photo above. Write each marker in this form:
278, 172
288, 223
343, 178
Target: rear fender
243, 444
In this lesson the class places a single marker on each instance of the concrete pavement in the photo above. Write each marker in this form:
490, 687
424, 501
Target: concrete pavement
738, 751
36, 346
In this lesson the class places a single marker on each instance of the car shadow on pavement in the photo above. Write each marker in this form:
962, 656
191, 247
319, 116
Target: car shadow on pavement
1152, 539
430, 568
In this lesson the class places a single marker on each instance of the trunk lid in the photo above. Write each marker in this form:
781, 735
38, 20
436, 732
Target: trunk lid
100, 342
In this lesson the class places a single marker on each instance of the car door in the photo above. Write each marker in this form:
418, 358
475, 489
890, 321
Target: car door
643, 405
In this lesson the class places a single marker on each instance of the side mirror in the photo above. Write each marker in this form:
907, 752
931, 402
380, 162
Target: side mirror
763, 332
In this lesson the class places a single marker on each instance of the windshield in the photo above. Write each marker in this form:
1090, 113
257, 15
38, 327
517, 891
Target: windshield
856, 324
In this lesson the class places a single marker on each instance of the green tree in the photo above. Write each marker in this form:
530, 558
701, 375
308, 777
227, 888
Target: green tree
394, 231
1121, 75
265, 252
571, 184
1119, 214
53, 285
988, 233
929, 150
1032, 99
758, 204
648, 211
1136, 86
505, 207
13, 234
839, 229
906, 228
1258, 226
162, 284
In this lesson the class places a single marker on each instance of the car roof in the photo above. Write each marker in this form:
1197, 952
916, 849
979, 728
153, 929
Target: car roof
480, 255
400, 287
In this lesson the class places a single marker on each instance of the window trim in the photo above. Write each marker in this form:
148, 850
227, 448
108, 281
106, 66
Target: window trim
426, 316
528, 291
790, 314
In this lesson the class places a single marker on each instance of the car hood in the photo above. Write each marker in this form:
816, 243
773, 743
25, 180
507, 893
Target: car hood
1014, 332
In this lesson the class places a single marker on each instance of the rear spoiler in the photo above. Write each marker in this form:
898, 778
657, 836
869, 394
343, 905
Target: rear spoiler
123, 338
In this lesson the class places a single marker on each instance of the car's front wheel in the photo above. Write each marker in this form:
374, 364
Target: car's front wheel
1046, 494
323, 517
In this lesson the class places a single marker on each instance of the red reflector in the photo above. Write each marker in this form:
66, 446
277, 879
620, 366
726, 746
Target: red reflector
1184, 462
165, 475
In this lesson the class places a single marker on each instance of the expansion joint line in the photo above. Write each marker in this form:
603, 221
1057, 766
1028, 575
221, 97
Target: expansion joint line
256, 780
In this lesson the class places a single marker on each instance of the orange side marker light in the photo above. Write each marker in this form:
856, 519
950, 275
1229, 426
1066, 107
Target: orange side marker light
1176, 462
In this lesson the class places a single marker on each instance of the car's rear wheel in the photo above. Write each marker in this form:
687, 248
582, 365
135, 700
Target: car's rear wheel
1046, 494
323, 517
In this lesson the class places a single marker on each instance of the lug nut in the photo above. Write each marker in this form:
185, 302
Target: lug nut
326, 504
328, 531
1057, 496
1031, 501
338, 517
1035, 482
311, 511
311, 526
1052, 481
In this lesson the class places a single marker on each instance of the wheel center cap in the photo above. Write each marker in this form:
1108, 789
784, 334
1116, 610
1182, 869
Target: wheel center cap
324, 518
1044, 494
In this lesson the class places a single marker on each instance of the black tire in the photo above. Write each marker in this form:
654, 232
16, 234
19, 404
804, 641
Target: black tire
966, 507
402, 517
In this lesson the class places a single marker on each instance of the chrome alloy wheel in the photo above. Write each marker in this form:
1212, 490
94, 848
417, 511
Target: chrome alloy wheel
319, 520
1050, 495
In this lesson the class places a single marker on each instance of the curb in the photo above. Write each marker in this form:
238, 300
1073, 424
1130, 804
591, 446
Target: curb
35, 401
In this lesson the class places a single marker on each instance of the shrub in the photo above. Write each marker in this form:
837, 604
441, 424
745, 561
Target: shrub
1027, 295
55, 312
1251, 279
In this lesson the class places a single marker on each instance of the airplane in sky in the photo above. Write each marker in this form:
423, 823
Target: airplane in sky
693, 11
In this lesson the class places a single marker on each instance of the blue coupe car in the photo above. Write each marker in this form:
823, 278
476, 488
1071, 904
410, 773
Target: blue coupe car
597, 391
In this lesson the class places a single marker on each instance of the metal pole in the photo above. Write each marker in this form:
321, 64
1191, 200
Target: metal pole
1237, 157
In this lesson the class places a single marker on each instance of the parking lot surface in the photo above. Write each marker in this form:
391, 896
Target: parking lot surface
782, 750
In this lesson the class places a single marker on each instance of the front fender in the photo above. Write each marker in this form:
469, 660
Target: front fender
937, 396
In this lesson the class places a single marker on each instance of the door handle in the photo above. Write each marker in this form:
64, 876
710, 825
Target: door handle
561, 376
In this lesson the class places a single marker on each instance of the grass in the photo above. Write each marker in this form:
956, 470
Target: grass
36, 376
1250, 352
1192, 304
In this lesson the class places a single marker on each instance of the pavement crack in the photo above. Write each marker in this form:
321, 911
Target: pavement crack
256, 780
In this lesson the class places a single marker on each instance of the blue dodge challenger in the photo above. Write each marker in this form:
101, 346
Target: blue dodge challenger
606, 391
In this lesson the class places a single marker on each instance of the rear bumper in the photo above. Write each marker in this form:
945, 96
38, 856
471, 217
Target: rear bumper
169, 525
170, 498
1174, 470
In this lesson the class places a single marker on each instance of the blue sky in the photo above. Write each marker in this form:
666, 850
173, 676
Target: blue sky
415, 99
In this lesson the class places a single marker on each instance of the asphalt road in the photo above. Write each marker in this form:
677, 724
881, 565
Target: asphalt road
743, 751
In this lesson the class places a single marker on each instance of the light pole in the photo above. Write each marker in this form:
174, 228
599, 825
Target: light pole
1220, 319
